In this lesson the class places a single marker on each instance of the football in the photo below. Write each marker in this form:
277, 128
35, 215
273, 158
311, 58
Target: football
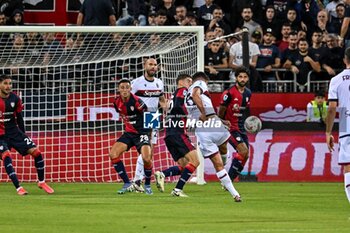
252, 124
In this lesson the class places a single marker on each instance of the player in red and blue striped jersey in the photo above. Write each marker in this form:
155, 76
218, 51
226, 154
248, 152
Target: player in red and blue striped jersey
234, 108
131, 109
12, 135
177, 140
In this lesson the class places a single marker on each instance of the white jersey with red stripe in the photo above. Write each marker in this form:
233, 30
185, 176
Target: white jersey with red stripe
193, 110
148, 91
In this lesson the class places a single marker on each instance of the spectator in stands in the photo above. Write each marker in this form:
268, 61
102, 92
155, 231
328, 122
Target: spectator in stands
248, 22
291, 51
192, 19
302, 63
9, 6
218, 21
280, 8
136, 14
256, 37
2, 19
345, 32
322, 22
269, 57
96, 13
337, 21
332, 63
237, 7
316, 47
302, 34
18, 59
317, 108
181, 16
17, 18
292, 19
205, 13
215, 58
161, 18
209, 35
236, 60
151, 20
270, 21
283, 43
169, 7
331, 9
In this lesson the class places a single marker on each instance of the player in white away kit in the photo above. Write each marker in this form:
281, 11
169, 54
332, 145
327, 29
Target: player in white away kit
212, 136
151, 90
339, 95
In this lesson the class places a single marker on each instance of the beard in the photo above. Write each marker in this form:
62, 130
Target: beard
241, 84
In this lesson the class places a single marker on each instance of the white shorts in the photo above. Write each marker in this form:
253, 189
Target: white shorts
209, 139
344, 150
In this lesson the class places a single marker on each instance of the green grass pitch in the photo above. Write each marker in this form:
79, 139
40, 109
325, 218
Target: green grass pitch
266, 207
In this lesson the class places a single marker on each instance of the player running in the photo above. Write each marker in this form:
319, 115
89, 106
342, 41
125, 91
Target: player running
131, 109
234, 107
12, 135
212, 140
177, 140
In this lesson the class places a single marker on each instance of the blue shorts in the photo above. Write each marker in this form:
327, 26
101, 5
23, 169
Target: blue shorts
238, 138
19, 141
178, 145
137, 140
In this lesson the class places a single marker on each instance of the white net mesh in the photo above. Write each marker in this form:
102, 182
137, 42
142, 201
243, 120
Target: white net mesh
67, 81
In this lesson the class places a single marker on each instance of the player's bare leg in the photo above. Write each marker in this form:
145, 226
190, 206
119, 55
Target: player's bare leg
6, 158
40, 168
117, 150
146, 152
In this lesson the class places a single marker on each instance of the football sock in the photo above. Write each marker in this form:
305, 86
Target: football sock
235, 168
148, 174
139, 171
120, 169
40, 167
347, 184
185, 175
11, 171
172, 171
226, 181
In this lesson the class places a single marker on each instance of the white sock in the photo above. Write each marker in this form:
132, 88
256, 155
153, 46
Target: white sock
139, 172
347, 184
226, 181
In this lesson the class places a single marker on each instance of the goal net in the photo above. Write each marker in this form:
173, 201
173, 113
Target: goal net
66, 77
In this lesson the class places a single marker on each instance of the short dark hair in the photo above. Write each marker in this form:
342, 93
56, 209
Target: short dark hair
182, 77
124, 80
4, 76
320, 93
241, 69
200, 75
347, 54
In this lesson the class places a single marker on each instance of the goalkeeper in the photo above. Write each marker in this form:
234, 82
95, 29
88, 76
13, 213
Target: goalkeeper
12, 135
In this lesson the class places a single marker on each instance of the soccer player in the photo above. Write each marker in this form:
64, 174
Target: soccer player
12, 135
234, 107
212, 139
339, 95
177, 140
151, 90
131, 109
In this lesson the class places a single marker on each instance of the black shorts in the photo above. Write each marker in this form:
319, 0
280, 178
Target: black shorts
238, 138
137, 140
178, 145
19, 141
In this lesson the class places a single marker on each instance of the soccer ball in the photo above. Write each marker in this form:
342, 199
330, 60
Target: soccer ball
252, 124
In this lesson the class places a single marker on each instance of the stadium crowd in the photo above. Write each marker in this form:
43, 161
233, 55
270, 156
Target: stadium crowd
297, 35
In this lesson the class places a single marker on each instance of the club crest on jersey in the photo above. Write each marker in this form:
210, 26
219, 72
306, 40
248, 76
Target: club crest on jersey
12, 104
246, 99
132, 108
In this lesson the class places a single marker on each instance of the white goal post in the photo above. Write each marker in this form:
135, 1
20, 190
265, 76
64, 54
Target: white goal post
66, 77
